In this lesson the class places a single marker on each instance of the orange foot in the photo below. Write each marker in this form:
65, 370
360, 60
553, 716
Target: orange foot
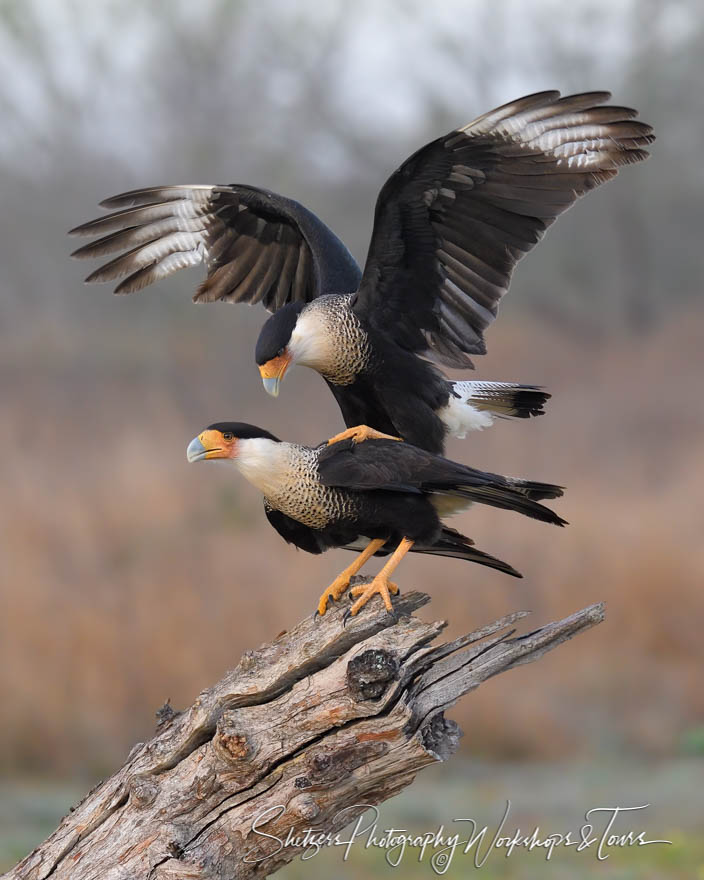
334, 591
361, 433
381, 585
342, 581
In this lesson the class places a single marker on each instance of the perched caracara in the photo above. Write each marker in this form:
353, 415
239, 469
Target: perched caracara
380, 496
450, 225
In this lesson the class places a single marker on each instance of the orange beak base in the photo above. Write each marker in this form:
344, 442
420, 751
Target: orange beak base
273, 371
211, 444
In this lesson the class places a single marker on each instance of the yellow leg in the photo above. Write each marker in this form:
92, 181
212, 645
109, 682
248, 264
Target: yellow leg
361, 433
381, 583
342, 581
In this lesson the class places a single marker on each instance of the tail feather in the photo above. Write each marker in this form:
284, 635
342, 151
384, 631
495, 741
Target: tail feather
451, 479
504, 399
458, 546
534, 490
496, 494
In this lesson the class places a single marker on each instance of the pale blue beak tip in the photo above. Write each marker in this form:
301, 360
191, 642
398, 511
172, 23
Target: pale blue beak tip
271, 386
196, 450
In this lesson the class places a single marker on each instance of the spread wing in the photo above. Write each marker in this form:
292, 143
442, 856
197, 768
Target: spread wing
452, 222
257, 246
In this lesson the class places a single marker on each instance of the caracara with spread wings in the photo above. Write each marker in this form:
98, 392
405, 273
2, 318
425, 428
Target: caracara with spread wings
450, 225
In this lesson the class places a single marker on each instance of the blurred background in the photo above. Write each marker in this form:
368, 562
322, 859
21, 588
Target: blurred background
128, 577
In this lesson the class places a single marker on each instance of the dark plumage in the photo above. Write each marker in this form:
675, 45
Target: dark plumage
258, 246
381, 491
243, 431
449, 227
279, 327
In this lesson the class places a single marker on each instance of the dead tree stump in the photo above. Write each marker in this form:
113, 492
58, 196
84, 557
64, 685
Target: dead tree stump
322, 720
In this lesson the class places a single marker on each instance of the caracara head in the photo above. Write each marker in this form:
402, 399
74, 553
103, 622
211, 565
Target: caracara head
222, 440
298, 333
274, 352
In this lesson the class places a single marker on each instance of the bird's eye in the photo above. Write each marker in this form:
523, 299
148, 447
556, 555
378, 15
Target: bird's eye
280, 352
228, 435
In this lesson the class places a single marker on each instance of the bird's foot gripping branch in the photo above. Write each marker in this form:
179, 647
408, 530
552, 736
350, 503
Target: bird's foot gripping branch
380, 585
321, 720
342, 581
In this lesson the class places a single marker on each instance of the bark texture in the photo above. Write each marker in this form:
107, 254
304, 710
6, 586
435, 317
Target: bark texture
300, 733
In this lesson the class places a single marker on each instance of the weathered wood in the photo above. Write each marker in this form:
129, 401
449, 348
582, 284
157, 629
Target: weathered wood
322, 720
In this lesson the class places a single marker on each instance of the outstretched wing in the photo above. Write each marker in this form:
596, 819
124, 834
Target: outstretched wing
257, 246
452, 222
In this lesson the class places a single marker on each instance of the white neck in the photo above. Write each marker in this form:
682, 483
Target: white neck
263, 462
310, 343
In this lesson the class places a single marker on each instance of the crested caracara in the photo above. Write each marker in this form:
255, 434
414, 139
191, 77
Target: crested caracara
449, 227
379, 497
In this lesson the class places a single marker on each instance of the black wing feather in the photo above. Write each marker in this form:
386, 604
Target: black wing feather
257, 246
452, 222
394, 466
292, 531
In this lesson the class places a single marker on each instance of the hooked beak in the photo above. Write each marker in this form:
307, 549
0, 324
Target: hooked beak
271, 386
273, 371
208, 444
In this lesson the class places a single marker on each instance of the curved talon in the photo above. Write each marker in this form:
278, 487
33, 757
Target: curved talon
342, 581
334, 591
381, 583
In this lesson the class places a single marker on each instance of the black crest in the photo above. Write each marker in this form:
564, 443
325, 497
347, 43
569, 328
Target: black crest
276, 332
242, 430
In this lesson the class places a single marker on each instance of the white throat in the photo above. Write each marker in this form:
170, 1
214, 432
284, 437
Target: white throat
263, 462
310, 343
329, 338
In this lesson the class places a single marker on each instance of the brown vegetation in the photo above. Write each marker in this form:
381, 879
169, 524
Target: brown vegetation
115, 550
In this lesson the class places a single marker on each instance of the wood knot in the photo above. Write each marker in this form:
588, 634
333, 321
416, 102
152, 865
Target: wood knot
230, 742
204, 786
370, 673
320, 762
325, 767
304, 806
440, 736
143, 791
